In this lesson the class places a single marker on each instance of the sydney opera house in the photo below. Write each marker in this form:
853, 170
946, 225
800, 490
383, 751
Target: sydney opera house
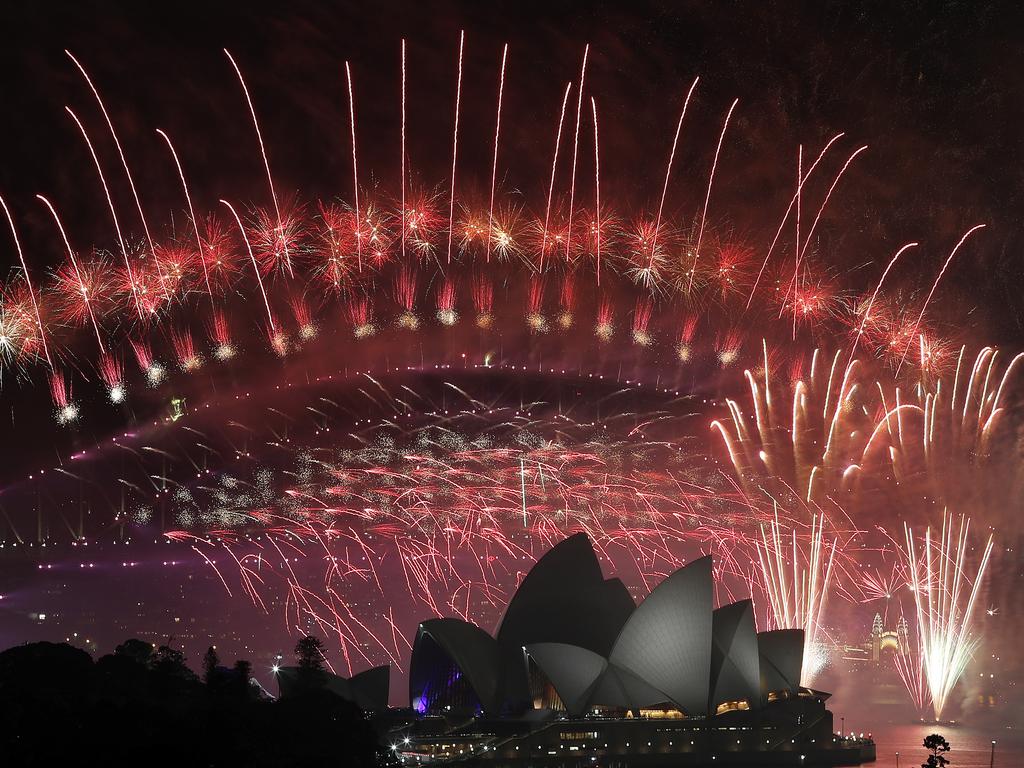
578, 674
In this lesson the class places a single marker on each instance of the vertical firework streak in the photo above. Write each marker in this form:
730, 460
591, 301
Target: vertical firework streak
707, 197
355, 168
575, 149
668, 172
551, 183
944, 596
494, 165
112, 373
597, 191
256, 269
113, 213
909, 663
785, 216
455, 147
191, 213
127, 172
401, 167
798, 602
266, 161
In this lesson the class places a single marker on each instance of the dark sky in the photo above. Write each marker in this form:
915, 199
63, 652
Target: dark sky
931, 87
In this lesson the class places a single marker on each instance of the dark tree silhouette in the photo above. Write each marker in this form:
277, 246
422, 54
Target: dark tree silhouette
210, 663
938, 747
243, 673
310, 653
137, 707
137, 650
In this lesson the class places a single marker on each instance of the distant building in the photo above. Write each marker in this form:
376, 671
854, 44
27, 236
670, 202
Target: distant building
873, 650
368, 690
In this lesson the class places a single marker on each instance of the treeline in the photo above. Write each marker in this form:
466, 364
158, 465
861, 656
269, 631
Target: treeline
143, 706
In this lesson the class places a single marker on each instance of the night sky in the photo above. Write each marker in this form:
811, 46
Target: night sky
932, 89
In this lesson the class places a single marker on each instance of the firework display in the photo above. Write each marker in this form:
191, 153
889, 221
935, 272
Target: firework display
945, 596
357, 410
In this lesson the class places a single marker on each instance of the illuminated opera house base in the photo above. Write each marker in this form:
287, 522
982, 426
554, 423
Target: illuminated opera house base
767, 739
578, 674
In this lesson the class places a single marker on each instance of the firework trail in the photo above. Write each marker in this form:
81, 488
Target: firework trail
909, 663
668, 171
112, 373
707, 197
797, 600
113, 214
455, 146
817, 446
263, 153
124, 164
945, 597
951, 439
191, 214
551, 184
494, 165
575, 149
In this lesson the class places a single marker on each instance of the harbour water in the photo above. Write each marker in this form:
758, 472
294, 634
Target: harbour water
971, 745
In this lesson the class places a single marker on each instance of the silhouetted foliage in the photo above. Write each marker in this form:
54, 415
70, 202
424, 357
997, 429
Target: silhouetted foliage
138, 650
137, 707
242, 677
310, 653
210, 663
938, 746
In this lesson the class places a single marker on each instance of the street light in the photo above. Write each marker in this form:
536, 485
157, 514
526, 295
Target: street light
897, 760
992, 759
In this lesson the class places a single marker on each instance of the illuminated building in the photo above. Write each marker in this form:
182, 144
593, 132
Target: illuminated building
577, 673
